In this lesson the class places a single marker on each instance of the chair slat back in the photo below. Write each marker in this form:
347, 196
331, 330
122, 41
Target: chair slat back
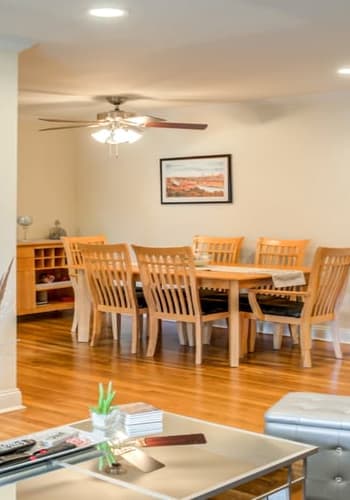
328, 279
286, 253
73, 253
109, 274
220, 250
169, 281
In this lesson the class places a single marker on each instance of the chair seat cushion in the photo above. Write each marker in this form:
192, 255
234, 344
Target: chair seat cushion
276, 306
212, 306
141, 301
282, 307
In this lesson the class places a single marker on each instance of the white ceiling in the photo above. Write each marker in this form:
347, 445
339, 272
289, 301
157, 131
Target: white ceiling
176, 51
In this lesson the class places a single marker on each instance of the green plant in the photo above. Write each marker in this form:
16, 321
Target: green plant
107, 458
105, 399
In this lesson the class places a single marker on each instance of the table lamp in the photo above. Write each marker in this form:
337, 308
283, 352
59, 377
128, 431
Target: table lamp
25, 221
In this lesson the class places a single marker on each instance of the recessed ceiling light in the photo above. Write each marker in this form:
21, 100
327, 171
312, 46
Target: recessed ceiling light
344, 71
107, 12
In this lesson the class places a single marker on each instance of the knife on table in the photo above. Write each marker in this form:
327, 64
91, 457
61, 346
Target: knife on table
141, 460
138, 458
173, 440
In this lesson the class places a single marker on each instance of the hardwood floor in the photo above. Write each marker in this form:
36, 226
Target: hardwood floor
58, 376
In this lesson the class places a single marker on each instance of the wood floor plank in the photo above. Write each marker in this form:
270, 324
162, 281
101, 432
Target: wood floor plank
58, 377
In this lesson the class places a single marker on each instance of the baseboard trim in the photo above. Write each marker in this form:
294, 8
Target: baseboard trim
322, 332
11, 400
319, 332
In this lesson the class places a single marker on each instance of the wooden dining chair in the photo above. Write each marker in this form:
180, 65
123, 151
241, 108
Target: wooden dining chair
171, 290
221, 251
112, 287
318, 302
75, 262
279, 253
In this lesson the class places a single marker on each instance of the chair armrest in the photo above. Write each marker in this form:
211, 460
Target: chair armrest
254, 304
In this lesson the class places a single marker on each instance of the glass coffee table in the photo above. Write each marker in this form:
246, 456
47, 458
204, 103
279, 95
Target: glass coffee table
230, 458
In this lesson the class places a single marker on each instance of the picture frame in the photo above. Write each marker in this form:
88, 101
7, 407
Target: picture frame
196, 179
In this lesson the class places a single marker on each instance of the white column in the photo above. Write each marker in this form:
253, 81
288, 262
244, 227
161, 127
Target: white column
10, 395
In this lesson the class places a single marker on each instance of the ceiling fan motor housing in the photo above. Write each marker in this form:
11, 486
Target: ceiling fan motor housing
115, 115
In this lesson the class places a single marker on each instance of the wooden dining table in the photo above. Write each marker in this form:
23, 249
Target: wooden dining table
233, 282
230, 280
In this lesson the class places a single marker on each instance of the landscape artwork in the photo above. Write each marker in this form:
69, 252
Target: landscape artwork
196, 179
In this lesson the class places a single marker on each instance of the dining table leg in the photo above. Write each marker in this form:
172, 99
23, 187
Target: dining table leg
233, 329
84, 308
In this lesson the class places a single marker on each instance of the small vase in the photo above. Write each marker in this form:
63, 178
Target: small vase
106, 423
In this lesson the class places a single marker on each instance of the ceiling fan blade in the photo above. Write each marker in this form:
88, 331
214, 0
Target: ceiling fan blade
58, 120
142, 119
193, 126
95, 125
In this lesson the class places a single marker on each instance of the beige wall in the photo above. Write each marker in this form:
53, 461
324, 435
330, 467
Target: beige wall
291, 176
46, 178
10, 396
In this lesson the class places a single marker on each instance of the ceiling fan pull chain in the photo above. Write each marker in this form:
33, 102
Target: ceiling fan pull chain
113, 149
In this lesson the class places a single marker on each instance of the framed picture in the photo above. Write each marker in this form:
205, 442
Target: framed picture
196, 179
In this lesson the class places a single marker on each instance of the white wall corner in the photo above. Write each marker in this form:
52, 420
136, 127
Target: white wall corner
15, 43
10, 400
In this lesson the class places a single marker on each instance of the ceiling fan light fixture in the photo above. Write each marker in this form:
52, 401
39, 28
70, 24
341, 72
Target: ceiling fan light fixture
344, 71
119, 135
107, 12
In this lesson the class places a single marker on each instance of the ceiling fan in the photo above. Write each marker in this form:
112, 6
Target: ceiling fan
118, 126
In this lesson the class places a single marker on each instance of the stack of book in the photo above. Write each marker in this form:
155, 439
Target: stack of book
139, 419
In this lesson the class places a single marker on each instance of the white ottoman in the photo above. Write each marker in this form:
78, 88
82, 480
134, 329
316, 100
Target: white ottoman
324, 421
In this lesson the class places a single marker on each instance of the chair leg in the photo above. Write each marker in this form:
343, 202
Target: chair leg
145, 326
185, 333
294, 332
190, 334
251, 335
153, 335
207, 331
142, 323
305, 345
244, 328
199, 340
115, 319
96, 326
135, 323
277, 336
181, 332
336, 339
74, 327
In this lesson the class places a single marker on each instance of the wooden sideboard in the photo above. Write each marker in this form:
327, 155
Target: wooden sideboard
43, 283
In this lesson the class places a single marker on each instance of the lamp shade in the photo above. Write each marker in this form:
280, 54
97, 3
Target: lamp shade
118, 135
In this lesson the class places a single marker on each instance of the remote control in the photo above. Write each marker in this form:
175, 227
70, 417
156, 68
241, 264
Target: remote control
13, 459
27, 457
58, 436
16, 446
